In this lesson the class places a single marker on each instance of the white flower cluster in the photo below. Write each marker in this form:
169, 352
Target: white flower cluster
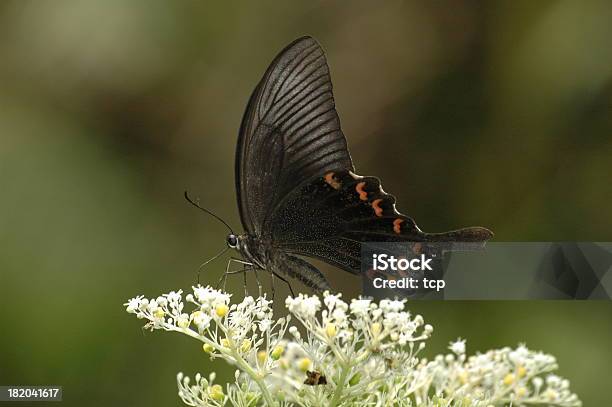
510, 377
341, 354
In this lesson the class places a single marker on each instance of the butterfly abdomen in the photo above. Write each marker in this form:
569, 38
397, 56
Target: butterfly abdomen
300, 270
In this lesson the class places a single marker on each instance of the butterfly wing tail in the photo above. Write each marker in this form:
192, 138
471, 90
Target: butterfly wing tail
471, 238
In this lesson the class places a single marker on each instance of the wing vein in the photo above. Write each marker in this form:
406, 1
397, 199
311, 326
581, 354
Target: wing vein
301, 80
296, 104
311, 49
304, 115
302, 141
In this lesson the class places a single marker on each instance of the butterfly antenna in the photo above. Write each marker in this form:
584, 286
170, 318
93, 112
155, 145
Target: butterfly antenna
208, 212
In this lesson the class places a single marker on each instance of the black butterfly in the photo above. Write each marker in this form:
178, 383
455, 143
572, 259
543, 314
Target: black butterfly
297, 192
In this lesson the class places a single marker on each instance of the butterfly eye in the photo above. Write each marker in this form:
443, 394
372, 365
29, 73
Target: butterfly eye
232, 241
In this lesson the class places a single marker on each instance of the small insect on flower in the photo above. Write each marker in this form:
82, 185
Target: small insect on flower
315, 378
391, 363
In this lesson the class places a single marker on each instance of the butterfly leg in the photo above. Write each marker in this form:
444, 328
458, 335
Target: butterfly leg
231, 260
244, 271
224, 277
258, 282
244, 279
273, 274
272, 286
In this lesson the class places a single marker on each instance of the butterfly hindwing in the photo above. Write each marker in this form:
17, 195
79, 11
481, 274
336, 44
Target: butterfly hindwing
332, 216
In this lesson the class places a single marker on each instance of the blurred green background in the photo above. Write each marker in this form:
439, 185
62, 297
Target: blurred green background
472, 113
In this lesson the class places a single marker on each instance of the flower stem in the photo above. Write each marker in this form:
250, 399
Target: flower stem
340, 385
255, 376
242, 364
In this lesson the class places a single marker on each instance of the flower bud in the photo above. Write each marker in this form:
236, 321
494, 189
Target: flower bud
304, 364
159, 313
246, 345
355, 379
537, 382
330, 330
225, 342
509, 379
216, 392
550, 394
376, 329
262, 356
221, 310
208, 348
277, 352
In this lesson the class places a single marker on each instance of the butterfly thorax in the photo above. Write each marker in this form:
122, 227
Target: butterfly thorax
253, 250
261, 253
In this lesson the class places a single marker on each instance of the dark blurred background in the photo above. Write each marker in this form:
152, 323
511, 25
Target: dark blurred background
472, 113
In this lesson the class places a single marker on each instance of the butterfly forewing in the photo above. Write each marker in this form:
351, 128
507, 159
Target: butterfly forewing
289, 134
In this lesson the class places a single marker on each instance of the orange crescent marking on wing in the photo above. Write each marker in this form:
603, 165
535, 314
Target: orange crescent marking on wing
397, 225
376, 205
329, 178
363, 195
